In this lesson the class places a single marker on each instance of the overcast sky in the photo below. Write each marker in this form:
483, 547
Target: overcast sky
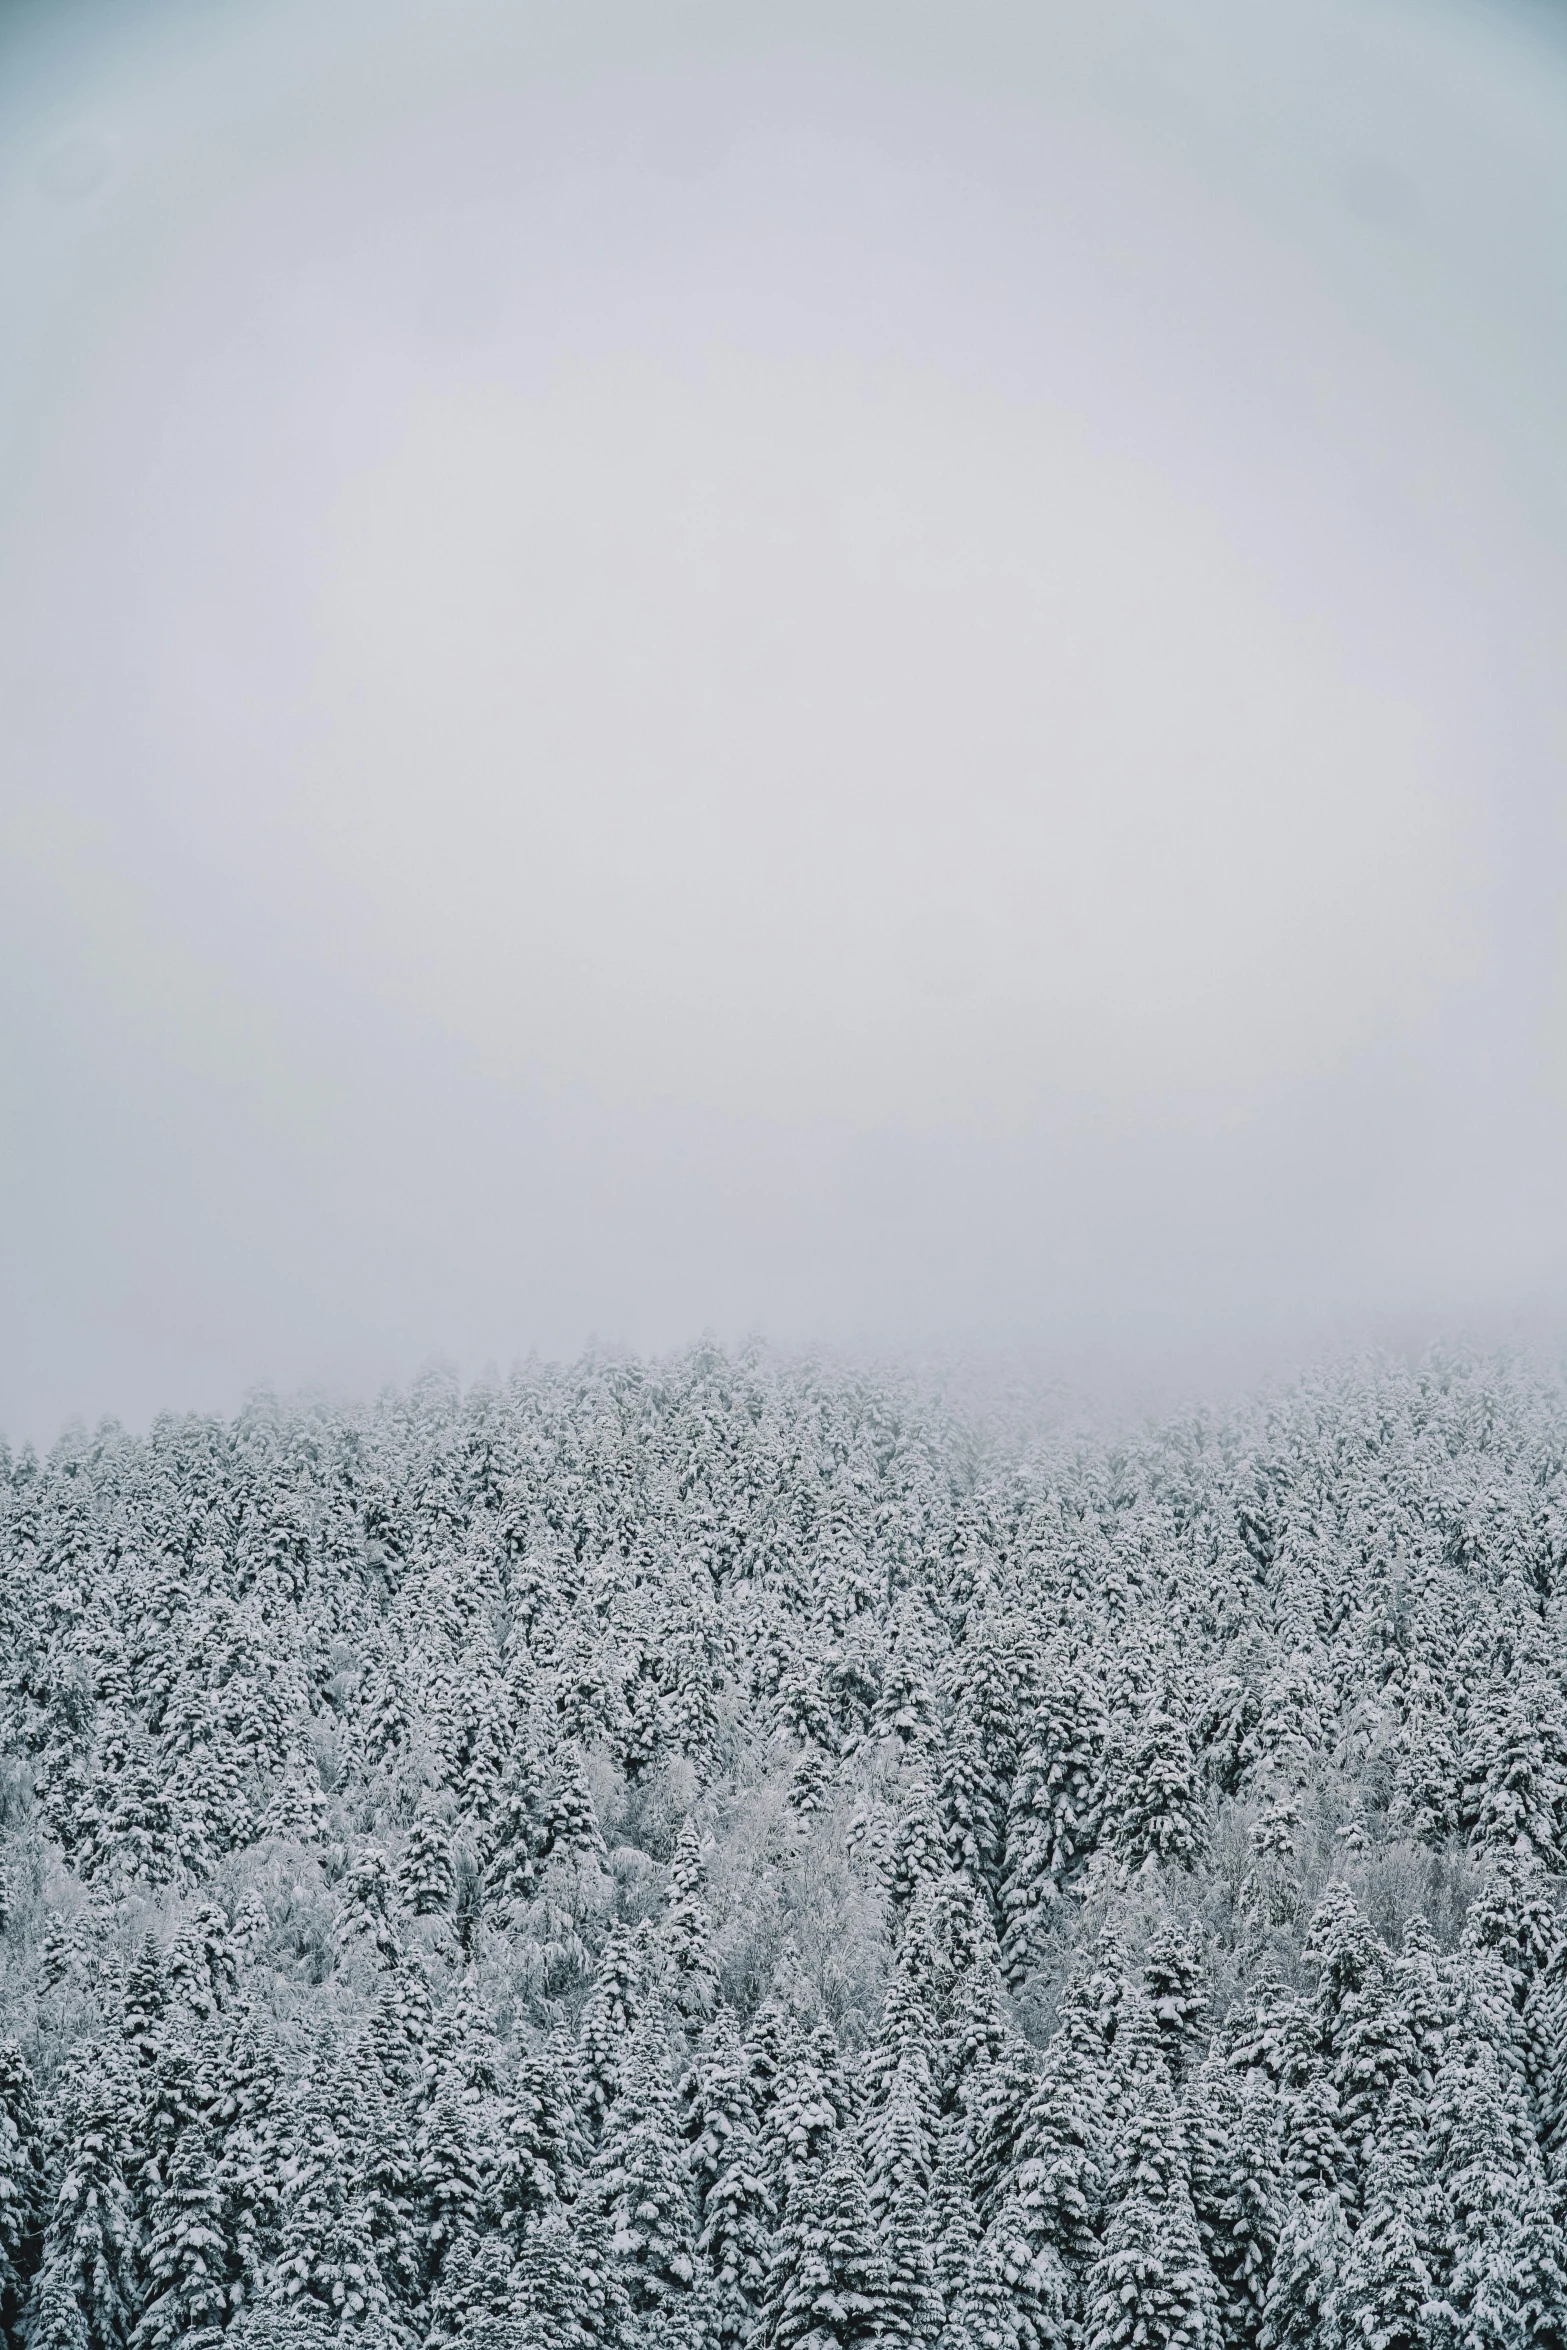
862, 671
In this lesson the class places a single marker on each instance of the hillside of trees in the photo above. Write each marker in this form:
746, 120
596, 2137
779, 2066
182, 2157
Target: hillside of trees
744, 1850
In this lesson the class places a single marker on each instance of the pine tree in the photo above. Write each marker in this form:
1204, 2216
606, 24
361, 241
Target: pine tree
1054, 1811
1016, 2294
1060, 2152
202, 1971
972, 1804
954, 2223
1301, 2305
1238, 2192
567, 2285
177, 2092
1150, 2284
89, 2272
899, 2165
1385, 2286
55, 2320
58, 1953
296, 1809
391, 2188
325, 2267
568, 1823
475, 2303
1361, 2029
1514, 1916
903, 1707
686, 1934
187, 2260
801, 2120
1490, 2234
1515, 1781
826, 2286
723, 2151
20, 2182
366, 1908
246, 2119
1386, 2283
1175, 1982
640, 2182
1154, 1805
541, 2151
146, 2001
1420, 1998
993, 2094
402, 2024
450, 2172
918, 1851
131, 1836
605, 2026
770, 2042
514, 1837
426, 1878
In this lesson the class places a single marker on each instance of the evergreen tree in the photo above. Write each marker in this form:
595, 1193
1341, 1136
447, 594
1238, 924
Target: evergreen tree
1384, 2287
1016, 2293
1054, 1810
953, 2220
146, 2001
567, 2285
426, 1878
801, 2120
202, 1972
541, 2151
325, 2268
918, 1850
187, 2258
246, 2121
686, 1934
605, 2026
1301, 2305
972, 1802
993, 2093
1150, 2284
366, 1904
392, 2189
1154, 1802
89, 2277
568, 1825
827, 2285
1060, 2152
20, 2182
475, 2302
899, 2165
1490, 2232
640, 2182
1514, 1917
451, 2175
728, 2174
1176, 1985
1238, 2193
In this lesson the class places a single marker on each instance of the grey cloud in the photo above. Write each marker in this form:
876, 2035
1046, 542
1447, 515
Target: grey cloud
873, 673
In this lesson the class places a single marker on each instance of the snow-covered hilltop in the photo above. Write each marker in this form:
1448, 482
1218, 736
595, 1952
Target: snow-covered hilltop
738, 1850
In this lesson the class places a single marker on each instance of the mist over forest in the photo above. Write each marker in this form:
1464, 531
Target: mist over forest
880, 671
749, 1849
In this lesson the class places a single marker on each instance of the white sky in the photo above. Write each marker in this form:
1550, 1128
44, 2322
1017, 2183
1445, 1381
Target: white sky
860, 671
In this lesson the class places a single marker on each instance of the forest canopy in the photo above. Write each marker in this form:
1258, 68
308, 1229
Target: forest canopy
746, 1849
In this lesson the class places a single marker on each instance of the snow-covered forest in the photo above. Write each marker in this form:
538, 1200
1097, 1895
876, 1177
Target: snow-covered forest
742, 1850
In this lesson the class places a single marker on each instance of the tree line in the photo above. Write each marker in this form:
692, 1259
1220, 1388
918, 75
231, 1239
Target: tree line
753, 1850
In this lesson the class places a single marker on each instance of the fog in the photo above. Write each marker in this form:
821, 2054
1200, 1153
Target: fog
873, 673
